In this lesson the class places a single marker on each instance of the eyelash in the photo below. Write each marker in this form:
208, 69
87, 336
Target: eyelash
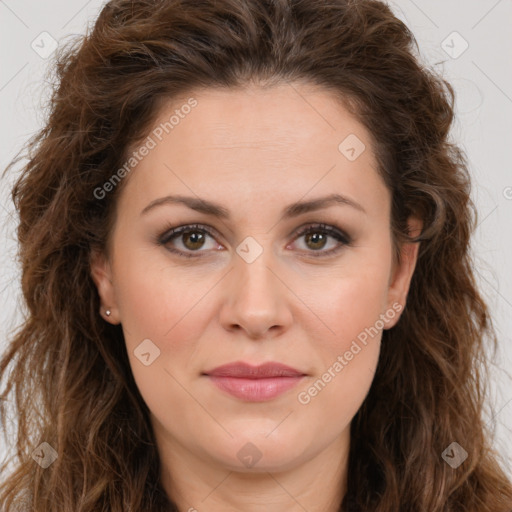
172, 232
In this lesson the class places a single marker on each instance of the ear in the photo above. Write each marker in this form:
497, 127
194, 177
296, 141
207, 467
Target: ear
102, 276
402, 272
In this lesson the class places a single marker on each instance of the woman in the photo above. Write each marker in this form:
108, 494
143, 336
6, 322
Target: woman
244, 240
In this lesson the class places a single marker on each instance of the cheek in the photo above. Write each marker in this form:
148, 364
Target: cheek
164, 306
332, 399
346, 372
154, 298
352, 308
167, 307
353, 303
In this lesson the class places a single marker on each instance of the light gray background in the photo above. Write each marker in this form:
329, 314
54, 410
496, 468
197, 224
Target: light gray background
481, 76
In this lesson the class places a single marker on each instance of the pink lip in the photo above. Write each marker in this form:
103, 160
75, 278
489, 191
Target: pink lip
255, 383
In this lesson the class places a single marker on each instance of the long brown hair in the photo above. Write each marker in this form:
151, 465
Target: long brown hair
70, 382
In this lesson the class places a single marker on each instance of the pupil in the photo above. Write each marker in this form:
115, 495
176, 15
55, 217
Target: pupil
317, 238
195, 238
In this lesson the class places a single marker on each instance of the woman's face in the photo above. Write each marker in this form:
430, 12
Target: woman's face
246, 285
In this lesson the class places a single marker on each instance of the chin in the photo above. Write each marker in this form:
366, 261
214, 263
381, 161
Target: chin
258, 452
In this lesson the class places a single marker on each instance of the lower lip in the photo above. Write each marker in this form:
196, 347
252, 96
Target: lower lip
255, 390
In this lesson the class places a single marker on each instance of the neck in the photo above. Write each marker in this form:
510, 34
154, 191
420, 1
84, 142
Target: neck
196, 484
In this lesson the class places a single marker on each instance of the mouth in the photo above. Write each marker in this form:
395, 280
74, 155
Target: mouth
254, 383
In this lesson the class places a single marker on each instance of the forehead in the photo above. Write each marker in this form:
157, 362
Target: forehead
273, 119
257, 142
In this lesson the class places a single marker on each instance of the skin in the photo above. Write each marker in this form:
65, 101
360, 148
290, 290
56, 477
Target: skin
254, 151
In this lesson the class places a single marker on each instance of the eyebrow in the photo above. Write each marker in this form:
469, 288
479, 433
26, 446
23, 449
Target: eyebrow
216, 210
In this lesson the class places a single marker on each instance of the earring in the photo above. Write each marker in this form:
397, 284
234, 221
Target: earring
107, 312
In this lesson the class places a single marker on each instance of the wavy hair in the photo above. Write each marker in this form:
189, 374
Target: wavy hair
66, 371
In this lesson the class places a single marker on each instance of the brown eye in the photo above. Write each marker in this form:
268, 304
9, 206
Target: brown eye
316, 237
316, 240
192, 239
189, 241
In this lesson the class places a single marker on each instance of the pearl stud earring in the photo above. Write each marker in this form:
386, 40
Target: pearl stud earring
107, 312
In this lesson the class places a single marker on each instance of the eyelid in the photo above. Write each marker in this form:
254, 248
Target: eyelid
175, 231
322, 226
331, 230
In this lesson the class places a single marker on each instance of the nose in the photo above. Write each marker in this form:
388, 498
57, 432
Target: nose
257, 299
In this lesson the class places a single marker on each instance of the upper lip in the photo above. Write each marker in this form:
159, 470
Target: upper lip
247, 371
